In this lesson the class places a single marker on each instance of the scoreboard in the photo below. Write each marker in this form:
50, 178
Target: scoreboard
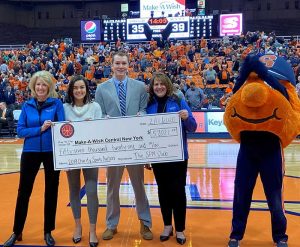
145, 28
114, 29
202, 26
142, 29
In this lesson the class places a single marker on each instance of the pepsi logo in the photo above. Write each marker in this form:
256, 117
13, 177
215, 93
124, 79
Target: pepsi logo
90, 27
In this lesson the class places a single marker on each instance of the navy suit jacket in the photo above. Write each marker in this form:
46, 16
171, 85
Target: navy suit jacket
9, 97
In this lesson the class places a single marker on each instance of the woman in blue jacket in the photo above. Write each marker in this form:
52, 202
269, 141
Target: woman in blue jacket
171, 177
34, 125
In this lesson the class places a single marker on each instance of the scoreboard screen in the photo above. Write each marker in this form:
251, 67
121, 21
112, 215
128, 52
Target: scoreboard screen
114, 29
201, 26
142, 29
166, 27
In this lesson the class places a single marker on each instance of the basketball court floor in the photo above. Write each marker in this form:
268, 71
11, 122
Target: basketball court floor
209, 189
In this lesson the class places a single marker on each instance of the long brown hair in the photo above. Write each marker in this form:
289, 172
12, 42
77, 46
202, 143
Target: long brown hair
70, 94
165, 80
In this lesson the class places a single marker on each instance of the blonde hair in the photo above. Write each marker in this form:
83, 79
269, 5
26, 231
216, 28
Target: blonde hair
48, 78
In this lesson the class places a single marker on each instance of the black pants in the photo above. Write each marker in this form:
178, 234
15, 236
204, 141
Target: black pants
171, 181
30, 165
3, 123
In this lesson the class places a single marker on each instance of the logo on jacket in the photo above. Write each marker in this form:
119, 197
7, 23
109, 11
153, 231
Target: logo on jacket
67, 130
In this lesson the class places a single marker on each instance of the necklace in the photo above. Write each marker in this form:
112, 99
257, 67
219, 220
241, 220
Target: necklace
164, 109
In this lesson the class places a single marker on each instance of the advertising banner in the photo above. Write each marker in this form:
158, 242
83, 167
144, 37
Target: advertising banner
150, 8
231, 24
90, 30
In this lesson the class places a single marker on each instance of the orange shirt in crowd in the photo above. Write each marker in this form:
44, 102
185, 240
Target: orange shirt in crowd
62, 47
180, 50
153, 44
89, 74
155, 64
183, 62
23, 85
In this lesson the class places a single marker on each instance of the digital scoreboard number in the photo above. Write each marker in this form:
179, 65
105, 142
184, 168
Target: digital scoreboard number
114, 29
166, 27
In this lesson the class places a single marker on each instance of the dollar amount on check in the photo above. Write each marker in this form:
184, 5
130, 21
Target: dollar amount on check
117, 141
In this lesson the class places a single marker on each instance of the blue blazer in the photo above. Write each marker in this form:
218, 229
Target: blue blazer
31, 120
173, 105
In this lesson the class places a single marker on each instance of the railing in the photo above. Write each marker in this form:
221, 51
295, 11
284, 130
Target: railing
286, 38
22, 46
12, 47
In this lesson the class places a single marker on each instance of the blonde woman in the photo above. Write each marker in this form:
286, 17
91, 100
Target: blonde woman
34, 124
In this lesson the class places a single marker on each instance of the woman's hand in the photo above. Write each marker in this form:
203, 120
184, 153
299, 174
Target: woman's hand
184, 114
46, 125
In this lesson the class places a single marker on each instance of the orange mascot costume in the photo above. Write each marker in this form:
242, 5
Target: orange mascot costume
263, 114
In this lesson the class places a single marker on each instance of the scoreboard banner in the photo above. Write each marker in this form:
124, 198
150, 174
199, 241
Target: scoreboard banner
210, 122
150, 8
231, 24
156, 27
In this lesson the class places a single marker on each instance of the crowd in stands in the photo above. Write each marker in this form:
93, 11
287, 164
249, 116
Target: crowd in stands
210, 66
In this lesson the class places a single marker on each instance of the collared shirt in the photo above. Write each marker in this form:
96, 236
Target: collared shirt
117, 82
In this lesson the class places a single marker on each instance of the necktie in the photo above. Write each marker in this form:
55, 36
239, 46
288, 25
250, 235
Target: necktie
122, 98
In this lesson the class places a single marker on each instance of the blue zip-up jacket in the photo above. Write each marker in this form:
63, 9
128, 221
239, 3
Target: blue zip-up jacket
31, 121
188, 125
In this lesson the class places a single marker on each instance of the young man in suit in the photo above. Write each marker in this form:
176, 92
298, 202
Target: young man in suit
123, 96
9, 96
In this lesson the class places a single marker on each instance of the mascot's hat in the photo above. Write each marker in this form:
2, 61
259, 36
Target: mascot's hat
279, 68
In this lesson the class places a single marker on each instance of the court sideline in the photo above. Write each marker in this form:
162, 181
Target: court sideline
209, 191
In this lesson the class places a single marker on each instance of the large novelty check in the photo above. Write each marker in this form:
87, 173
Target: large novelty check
117, 141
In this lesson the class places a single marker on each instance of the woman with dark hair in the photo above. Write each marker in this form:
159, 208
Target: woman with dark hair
79, 108
171, 177
34, 125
